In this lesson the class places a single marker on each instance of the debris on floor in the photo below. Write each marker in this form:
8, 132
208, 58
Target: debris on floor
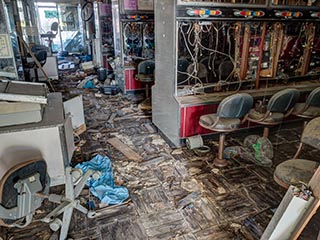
256, 149
173, 193
103, 186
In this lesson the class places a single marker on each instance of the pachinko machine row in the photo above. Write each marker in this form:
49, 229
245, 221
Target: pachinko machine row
216, 56
210, 50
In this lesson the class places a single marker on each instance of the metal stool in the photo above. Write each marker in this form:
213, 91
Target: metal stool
146, 75
280, 106
227, 119
295, 171
311, 108
308, 110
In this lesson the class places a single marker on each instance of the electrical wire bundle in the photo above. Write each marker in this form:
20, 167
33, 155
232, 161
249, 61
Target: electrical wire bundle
193, 37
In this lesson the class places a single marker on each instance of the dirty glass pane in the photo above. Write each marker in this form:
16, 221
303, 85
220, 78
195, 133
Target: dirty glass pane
71, 34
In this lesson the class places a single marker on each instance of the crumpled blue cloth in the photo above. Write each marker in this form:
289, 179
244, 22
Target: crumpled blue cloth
104, 187
89, 84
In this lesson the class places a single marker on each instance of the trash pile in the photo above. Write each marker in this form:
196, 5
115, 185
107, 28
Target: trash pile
89, 77
256, 149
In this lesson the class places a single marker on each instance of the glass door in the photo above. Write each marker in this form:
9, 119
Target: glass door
49, 15
70, 27
70, 34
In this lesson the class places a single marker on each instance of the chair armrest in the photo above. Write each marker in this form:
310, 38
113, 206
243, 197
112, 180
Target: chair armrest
215, 123
244, 119
288, 113
305, 107
296, 155
263, 118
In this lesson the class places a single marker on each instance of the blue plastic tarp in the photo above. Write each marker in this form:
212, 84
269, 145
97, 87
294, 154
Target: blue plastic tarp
104, 187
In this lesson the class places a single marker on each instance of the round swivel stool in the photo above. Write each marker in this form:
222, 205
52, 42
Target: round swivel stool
146, 76
227, 119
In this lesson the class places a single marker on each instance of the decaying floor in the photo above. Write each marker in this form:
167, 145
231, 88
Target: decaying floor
174, 194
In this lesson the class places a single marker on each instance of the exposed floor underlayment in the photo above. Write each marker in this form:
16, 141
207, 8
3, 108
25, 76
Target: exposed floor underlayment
174, 194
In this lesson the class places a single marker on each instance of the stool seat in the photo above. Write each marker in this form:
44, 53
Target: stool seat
48, 35
274, 118
294, 171
309, 112
223, 124
145, 77
280, 105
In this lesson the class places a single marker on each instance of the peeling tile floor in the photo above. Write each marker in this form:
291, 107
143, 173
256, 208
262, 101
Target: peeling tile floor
174, 194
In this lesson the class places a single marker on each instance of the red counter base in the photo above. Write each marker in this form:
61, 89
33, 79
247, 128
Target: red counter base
131, 83
190, 115
189, 119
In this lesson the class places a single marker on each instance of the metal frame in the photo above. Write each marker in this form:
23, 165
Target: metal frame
118, 14
165, 107
67, 202
7, 36
97, 41
31, 195
117, 44
116, 28
28, 8
27, 201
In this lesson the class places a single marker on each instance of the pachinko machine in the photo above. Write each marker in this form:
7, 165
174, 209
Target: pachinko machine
135, 40
207, 50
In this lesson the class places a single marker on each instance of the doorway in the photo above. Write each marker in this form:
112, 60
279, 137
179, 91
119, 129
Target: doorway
70, 34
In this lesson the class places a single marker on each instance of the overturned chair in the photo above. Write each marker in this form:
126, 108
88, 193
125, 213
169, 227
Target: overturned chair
24, 184
279, 107
296, 171
146, 75
227, 119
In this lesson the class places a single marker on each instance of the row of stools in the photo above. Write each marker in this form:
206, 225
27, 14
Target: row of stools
238, 108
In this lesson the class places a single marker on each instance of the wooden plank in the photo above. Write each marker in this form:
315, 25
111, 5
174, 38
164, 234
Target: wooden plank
26, 89
245, 52
124, 149
23, 98
263, 35
310, 31
80, 129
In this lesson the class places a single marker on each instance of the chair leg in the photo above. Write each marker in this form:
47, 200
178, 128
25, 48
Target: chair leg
147, 90
220, 161
36, 75
266, 132
146, 104
66, 219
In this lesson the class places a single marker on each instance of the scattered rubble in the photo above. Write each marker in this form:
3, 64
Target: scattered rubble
174, 194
